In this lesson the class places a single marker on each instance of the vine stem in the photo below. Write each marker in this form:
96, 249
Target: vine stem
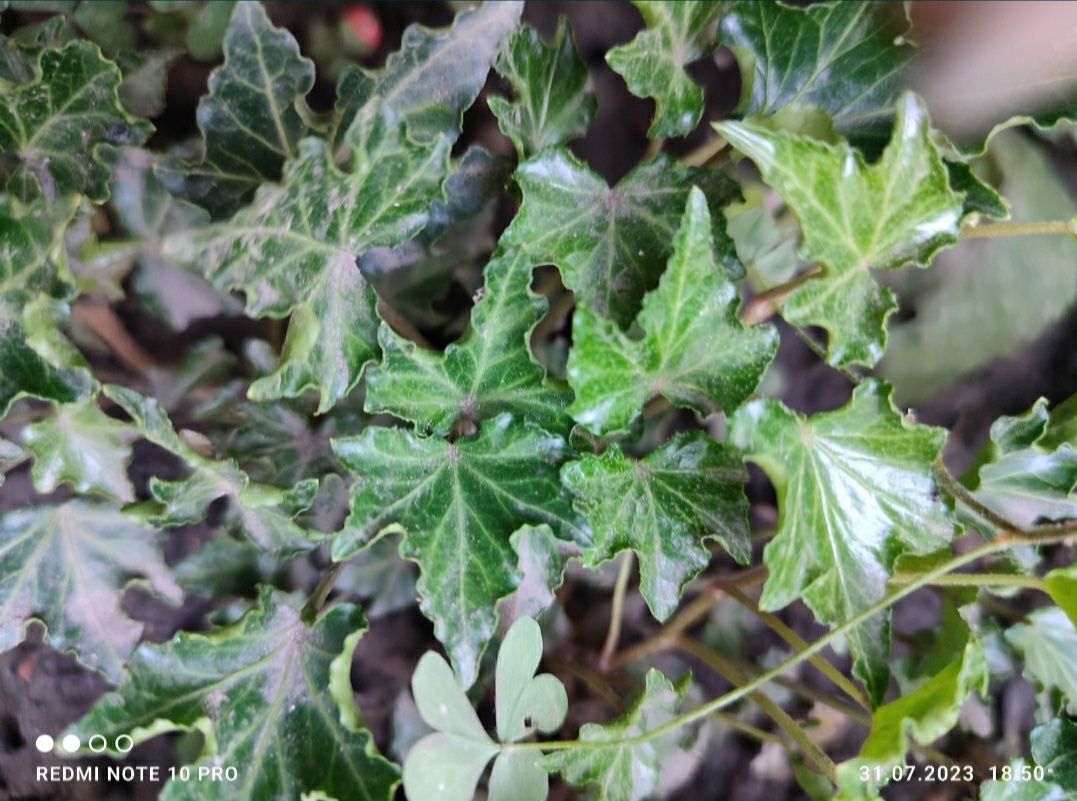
620, 589
321, 591
960, 492
1010, 539
705, 152
1039, 227
977, 580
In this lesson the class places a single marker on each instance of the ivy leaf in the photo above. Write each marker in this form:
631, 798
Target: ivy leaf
856, 490
81, 445
272, 695
845, 59
10, 455
611, 243
663, 507
265, 514
554, 100
694, 349
856, 217
67, 566
1062, 585
51, 127
542, 559
1054, 747
294, 250
624, 770
923, 715
380, 577
448, 764
32, 266
145, 80
489, 371
249, 120
653, 64
430, 81
1049, 644
1019, 477
459, 503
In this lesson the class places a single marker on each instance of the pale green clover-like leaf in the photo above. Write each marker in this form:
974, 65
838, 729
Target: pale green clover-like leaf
67, 566
1048, 641
922, 715
844, 59
431, 80
653, 64
856, 217
554, 101
855, 490
611, 243
50, 129
489, 371
265, 514
615, 767
1020, 477
663, 507
271, 695
294, 250
33, 269
249, 120
459, 502
694, 349
448, 764
82, 446
1054, 747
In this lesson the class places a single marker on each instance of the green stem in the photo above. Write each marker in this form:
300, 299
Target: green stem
705, 152
959, 492
620, 589
321, 591
1038, 227
977, 580
1039, 536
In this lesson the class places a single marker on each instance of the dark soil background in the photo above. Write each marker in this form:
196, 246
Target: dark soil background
43, 691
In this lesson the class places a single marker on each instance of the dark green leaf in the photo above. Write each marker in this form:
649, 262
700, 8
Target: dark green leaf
67, 566
611, 244
50, 129
845, 59
490, 370
653, 64
694, 349
1054, 747
856, 217
855, 490
553, 99
459, 503
663, 507
145, 79
272, 693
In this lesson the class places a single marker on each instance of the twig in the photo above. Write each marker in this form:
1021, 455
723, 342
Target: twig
766, 304
1039, 227
705, 152
100, 319
613, 636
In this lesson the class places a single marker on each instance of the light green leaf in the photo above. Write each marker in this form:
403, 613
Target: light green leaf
541, 562
625, 770
10, 455
554, 101
489, 371
855, 490
67, 566
1062, 585
1019, 478
265, 514
1049, 644
611, 243
294, 250
460, 502
923, 715
249, 119
664, 507
145, 80
694, 349
1054, 747
33, 359
653, 64
845, 59
449, 763
271, 696
856, 217
82, 446
976, 305
50, 128
430, 81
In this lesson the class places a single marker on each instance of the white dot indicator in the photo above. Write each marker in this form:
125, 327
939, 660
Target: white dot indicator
97, 743
71, 743
44, 743
127, 743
